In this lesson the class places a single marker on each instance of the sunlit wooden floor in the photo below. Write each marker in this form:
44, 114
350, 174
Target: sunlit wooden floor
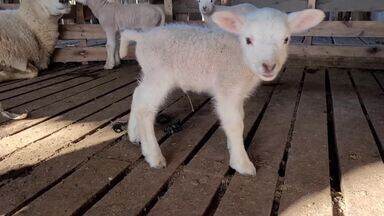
316, 137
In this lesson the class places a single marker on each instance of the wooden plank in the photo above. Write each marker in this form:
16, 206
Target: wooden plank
380, 78
322, 41
81, 31
69, 103
373, 41
80, 54
82, 120
296, 40
340, 56
360, 164
306, 189
25, 137
75, 198
333, 52
46, 91
54, 74
348, 41
168, 9
326, 5
41, 85
347, 29
65, 161
350, 5
128, 197
284, 5
192, 191
372, 96
16, 105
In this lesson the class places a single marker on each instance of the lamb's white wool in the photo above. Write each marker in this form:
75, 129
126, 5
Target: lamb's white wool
208, 7
27, 39
226, 65
115, 17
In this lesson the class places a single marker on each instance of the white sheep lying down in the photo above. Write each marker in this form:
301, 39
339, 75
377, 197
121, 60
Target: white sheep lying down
115, 17
28, 37
226, 64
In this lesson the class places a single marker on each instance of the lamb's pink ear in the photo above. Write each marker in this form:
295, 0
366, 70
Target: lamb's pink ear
228, 21
305, 19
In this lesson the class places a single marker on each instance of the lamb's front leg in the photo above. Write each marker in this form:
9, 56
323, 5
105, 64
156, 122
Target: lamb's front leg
111, 49
231, 114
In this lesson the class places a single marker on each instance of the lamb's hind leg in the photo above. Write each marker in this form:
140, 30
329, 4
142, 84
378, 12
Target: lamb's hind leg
111, 49
148, 98
231, 114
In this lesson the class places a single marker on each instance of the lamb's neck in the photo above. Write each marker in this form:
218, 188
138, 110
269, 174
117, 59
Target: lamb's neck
44, 27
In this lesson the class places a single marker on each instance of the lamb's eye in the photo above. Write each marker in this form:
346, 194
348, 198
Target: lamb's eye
248, 41
286, 40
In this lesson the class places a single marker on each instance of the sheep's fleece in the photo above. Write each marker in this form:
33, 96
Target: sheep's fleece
27, 39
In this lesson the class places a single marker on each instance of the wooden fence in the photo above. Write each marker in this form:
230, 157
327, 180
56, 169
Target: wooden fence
366, 54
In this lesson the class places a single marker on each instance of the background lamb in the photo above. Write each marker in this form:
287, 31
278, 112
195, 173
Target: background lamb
226, 65
115, 17
208, 7
27, 39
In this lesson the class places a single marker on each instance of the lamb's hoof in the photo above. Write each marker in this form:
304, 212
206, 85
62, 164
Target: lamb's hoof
109, 66
14, 116
157, 162
244, 168
134, 139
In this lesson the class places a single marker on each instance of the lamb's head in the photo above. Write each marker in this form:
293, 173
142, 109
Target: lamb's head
206, 7
264, 35
55, 7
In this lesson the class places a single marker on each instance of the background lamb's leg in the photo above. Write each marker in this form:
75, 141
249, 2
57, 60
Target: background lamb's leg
149, 96
117, 55
133, 132
231, 114
111, 49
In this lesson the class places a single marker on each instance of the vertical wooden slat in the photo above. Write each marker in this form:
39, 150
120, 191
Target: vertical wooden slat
312, 5
168, 8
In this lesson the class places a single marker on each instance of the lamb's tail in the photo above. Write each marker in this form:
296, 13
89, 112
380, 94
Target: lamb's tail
126, 36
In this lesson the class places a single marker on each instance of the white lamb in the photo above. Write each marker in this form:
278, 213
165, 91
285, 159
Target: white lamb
115, 17
227, 65
208, 7
28, 37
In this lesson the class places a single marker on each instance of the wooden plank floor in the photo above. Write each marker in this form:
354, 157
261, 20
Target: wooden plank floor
316, 137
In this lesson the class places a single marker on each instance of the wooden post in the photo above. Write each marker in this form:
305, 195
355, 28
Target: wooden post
168, 9
80, 20
312, 5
